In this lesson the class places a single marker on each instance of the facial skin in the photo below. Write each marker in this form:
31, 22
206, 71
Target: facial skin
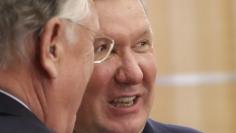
129, 72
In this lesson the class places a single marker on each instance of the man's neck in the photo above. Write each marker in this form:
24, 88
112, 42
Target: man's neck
60, 118
39, 97
19, 84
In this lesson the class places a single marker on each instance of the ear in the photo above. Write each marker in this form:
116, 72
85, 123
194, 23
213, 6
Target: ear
51, 46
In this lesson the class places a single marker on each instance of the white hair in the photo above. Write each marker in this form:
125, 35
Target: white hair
21, 18
71, 11
144, 4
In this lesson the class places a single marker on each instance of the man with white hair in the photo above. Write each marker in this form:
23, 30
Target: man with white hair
46, 59
120, 93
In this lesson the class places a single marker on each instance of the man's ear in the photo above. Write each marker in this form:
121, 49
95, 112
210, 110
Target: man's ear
51, 46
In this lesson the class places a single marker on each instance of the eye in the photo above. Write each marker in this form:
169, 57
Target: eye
101, 45
143, 46
102, 48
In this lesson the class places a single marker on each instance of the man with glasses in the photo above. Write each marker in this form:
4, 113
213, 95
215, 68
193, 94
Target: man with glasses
120, 93
46, 60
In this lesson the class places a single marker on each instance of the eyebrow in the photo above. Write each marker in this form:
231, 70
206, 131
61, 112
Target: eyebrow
146, 32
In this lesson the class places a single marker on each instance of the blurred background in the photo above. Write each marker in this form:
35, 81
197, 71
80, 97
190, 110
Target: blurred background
196, 55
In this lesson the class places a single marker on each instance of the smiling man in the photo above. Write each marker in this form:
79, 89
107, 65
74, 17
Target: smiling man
120, 92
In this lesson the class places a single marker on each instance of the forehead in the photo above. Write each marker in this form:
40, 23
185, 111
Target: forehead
126, 16
91, 22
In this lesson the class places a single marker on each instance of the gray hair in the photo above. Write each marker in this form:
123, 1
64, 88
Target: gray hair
21, 18
144, 3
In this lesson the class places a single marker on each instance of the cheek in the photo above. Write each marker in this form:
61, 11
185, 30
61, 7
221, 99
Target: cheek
149, 77
81, 69
152, 71
84, 61
101, 78
86, 69
149, 69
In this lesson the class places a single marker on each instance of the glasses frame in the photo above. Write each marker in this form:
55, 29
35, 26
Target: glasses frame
102, 36
108, 53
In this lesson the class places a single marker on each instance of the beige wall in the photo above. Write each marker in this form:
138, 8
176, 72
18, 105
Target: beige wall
196, 55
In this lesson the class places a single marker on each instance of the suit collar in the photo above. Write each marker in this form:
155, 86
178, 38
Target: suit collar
10, 106
148, 127
12, 109
15, 98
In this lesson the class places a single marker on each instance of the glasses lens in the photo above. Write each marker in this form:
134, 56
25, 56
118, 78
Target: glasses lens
102, 49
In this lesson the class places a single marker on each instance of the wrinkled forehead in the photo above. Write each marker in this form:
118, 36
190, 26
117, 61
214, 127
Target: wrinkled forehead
119, 6
126, 16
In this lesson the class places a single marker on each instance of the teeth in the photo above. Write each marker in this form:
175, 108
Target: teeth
123, 101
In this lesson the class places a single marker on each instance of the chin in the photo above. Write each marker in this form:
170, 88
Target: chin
127, 129
125, 126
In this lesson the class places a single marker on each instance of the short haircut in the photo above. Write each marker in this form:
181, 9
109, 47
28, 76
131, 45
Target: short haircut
20, 18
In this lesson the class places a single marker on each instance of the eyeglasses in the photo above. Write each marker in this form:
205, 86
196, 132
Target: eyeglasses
102, 48
102, 45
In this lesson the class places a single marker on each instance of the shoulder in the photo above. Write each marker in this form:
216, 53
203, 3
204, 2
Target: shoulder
157, 127
19, 124
14, 117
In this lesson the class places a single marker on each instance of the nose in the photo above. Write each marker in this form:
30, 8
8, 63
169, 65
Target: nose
129, 71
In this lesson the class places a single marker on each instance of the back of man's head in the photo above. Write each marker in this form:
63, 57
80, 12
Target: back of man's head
22, 22
46, 57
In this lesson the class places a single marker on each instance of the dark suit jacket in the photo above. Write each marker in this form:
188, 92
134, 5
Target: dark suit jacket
156, 127
15, 118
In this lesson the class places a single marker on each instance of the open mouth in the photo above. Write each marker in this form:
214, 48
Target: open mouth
124, 101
